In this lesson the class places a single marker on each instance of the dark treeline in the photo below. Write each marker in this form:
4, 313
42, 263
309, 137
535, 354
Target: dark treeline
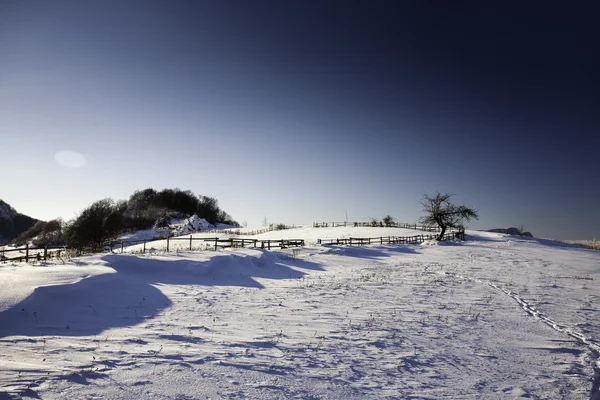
106, 219
12, 223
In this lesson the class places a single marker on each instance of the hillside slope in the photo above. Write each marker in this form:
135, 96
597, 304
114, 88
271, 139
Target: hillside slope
12, 223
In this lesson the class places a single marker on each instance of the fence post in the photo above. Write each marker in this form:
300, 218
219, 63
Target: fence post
45, 253
381, 239
216, 243
144, 249
190, 242
167, 243
269, 244
27, 252
121, 247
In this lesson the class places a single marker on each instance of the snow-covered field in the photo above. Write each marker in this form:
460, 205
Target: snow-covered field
497, 317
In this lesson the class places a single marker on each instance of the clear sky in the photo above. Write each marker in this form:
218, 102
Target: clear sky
301, 111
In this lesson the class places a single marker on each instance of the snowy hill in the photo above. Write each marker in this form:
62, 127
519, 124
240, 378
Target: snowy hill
495, 317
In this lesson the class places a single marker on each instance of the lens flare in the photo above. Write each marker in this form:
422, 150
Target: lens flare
69, 159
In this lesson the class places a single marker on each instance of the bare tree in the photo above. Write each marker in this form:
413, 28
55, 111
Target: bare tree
441, 212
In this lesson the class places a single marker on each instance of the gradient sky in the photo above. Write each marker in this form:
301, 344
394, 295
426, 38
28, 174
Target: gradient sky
301, 111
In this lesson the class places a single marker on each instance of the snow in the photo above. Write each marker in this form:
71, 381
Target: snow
192, 224
145, 234
177, 227
495, 317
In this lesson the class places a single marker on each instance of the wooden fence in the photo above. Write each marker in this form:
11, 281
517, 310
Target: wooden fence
238, 232
30, 253
379, 224
209, 244
46, 253
187, 244
416, 239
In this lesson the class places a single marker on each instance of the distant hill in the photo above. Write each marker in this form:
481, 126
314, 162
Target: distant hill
12, 223
511, 231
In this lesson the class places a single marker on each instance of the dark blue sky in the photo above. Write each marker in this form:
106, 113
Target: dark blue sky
302, 111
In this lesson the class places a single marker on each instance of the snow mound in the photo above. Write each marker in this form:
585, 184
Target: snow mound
192, 224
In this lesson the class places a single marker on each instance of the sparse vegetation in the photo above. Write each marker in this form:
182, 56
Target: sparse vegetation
41, 234
278, 227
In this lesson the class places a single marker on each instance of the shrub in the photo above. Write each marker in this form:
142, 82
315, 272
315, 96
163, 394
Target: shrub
388, 220
95, 225
30, 233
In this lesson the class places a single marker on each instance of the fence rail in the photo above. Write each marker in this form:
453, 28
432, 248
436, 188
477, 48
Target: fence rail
49, 252
416, 239
32, 253
238, 232
210, 243
377, 225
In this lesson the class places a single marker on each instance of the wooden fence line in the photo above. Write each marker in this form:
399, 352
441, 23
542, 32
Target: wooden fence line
379, 225
416, 239
217, 243
33, 253
236, 231
213, 243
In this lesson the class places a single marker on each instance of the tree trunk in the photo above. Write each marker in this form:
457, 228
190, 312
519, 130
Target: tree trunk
441, 235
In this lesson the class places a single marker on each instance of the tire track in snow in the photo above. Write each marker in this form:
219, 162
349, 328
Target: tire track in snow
592, 346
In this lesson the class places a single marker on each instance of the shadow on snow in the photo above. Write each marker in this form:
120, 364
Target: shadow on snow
372, 251
131, 294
